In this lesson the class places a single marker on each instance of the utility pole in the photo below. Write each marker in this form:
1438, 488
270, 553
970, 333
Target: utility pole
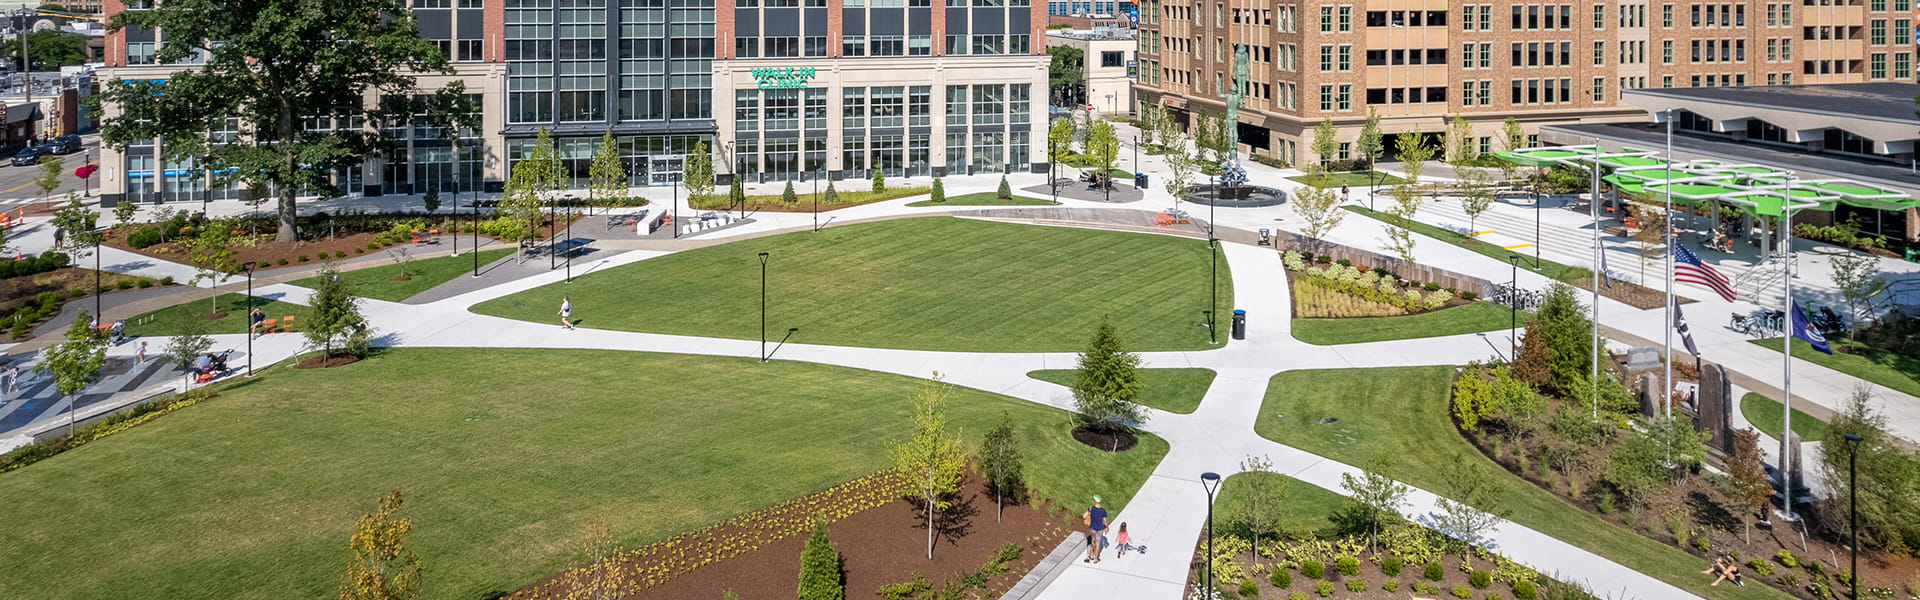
26, 63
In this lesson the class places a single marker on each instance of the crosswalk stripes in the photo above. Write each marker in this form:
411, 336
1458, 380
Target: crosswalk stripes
18, 201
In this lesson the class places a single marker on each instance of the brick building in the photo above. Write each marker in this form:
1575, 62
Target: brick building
1419, 62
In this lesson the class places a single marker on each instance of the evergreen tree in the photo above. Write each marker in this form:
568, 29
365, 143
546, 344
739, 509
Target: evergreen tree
1000, 461
431, 200
787, 196
879, 179
831, 197
336, 319
737, 193
939, 190
1108, 383
1006, 191
820, 577
1565, 328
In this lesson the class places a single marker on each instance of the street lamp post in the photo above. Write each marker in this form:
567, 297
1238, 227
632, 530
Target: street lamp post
1853, 512
476, 236
1209, 481
569, 246
763, 306
1513, 303
249, 304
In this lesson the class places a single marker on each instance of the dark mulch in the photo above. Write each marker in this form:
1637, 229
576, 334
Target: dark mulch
1121, 441
324, 362
881, 545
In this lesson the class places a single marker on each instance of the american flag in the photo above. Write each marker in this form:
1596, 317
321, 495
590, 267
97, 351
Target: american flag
1687, 268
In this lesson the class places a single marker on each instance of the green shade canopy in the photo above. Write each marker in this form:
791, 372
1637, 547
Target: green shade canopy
1768, 203
1546, 157
1689, 193
1626, 185
1865, 195
1632, 161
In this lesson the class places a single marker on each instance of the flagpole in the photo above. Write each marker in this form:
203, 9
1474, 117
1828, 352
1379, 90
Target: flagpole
1666, 218
1786, 352
1593, 210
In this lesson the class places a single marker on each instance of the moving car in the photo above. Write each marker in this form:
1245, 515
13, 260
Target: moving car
66, 144
30, 155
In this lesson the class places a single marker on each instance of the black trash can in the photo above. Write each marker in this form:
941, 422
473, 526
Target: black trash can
1140, 180
1239, 324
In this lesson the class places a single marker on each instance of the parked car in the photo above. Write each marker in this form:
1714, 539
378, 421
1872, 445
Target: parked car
30, 155
66, 144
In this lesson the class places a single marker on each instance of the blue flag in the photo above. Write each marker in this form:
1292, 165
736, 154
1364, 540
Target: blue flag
1803, 328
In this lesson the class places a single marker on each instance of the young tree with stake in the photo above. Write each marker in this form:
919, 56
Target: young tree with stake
1000, 461
697, 174
382, 567
1378, 494
1263, 493
184, 349
607, 176
534, 178
931, 461
75, 363
1372, 143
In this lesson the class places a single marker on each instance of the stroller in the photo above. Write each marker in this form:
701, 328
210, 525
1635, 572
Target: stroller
210, 366
117, 333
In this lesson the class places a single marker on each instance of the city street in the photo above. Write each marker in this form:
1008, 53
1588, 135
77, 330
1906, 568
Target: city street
16, 183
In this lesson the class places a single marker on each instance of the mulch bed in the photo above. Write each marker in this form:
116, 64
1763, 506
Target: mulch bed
1634, 295
323, 362
880, 542
18, 291
1450, 575
1120, 441
268, 254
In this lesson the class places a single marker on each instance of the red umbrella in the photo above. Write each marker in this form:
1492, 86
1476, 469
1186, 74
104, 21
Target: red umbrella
86, 171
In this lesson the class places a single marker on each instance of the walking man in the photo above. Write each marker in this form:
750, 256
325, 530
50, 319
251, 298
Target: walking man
566, 312
1096, 521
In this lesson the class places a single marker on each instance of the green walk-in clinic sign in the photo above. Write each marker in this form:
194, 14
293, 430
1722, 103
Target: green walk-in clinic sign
782, 78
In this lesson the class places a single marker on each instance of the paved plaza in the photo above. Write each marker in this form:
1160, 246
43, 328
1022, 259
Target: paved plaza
1214, 438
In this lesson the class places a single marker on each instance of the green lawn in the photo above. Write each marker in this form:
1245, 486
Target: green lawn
503, 456
1308, 507
1171, 390
1764, 414
1351, 178
1469, 318
1399, 415
378, 283
1897, 371
933, 283
172, 320
985, 199
1552, 270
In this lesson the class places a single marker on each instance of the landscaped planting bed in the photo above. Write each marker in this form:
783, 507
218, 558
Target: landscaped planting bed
504, 456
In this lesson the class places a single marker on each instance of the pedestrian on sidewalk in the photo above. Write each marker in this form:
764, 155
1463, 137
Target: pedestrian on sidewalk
566, 312
1096, 521
1344, 190
1121, 542
255, 318
13, 378
141, 354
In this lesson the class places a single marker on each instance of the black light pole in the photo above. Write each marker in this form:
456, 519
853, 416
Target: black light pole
553, 260
1536, 225
1513, 303
250, 335
763, 306
569, 246
1053, 169
476, 237
1210, 481
675, 207
1853, 510
96, 275
816, 204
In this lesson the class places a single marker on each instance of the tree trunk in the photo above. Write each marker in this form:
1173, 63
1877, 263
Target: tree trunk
997, 507
930, 527
289, 213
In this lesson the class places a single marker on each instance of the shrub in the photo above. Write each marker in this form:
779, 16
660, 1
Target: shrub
1494, 596
359, 251
1525, 590
1248, 588
1356, 585
1432, 287
1462, 591
303, 258
1391, 566
1349, 566
1760, 567
1312, 569
1786, 558
339, 254
820, 567
906, 590
1789, 580
1391, 585
1324, 588
1434, 572
123, 284
1281, 578
1480, 579
1425, 588
146, 237
146, 283
281, 262
76, 293
1297, 595
168, 280
373, 245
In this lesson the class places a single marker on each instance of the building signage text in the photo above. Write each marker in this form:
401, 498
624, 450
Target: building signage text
781, 78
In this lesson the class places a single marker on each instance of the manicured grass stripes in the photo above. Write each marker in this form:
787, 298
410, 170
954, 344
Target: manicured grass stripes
1552, 270
503, 456
378, 283
932, 283
1171, 390
1399, 417
1468, 318
984, 199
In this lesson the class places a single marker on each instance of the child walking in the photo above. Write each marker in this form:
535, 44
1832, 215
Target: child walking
1121, 540
566, 312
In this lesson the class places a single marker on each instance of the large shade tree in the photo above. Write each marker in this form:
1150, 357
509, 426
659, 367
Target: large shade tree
276, 66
